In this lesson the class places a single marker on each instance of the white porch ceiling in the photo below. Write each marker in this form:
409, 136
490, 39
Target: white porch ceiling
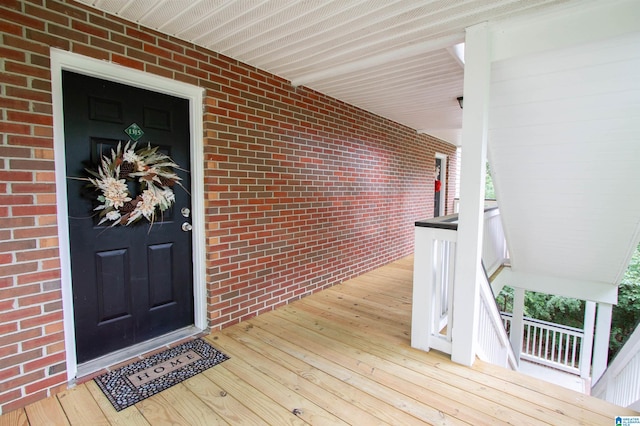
390, 57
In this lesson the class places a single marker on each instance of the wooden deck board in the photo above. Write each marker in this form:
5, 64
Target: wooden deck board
438, 395
340, 356
218, 400
195, 411
253, 402
394, 391
483, 389
46, 412
302, 383
259, 375
130, 416
14, 418
80, 407
330, 376
158, 412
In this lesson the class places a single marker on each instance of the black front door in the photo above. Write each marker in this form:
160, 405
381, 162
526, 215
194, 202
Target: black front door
130, 283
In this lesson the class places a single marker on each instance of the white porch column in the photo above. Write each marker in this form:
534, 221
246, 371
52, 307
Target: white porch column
517, 321
472, 176
601, 341
586, 349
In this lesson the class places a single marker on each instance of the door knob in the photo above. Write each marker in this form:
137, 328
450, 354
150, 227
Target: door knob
186, 227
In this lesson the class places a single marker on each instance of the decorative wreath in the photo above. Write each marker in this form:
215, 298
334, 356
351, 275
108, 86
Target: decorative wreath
153, 171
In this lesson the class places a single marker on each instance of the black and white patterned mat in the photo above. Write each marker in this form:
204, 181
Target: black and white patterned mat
142, 379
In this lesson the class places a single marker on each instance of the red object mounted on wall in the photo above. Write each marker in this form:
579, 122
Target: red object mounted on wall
438, 185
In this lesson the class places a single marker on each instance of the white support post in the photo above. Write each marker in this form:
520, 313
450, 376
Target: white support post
517, 321
423, 278
586, 349
474, 153
601, 341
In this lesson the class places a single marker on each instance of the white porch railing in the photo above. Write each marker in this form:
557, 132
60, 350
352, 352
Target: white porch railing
434, 256
493, 342
435, 245
620, 383
550, 344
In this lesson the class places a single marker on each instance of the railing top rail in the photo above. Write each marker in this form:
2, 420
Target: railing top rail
546, 323
446, 222
441, 222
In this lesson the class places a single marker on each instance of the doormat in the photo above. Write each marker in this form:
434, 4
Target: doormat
147, 377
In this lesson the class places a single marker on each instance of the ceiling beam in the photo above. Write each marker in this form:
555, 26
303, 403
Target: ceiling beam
383, 58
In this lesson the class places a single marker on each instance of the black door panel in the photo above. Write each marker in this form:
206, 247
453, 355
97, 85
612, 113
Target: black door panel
130, 283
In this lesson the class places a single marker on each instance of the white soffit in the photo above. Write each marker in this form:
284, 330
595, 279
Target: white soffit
389, 57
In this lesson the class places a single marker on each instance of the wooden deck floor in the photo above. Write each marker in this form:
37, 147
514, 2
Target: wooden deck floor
341, 356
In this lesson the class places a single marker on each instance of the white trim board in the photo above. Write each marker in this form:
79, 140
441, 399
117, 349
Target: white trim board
577, 289
62, 60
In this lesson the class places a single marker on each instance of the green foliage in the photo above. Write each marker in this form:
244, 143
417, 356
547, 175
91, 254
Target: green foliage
626, 314
545, 307
489, 191
552, 308
504, 300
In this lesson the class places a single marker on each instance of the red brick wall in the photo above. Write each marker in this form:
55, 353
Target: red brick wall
302, 191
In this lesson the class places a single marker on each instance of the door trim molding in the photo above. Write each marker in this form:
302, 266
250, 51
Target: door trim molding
444, 180
63, 60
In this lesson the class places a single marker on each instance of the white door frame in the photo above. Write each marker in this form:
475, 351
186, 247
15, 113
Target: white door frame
443, 181
63, 60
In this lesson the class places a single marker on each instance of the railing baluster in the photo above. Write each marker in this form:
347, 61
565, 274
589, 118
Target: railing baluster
561, 347
444, 279
539, 340
546, 344
437, 307
449, 283
572, 340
